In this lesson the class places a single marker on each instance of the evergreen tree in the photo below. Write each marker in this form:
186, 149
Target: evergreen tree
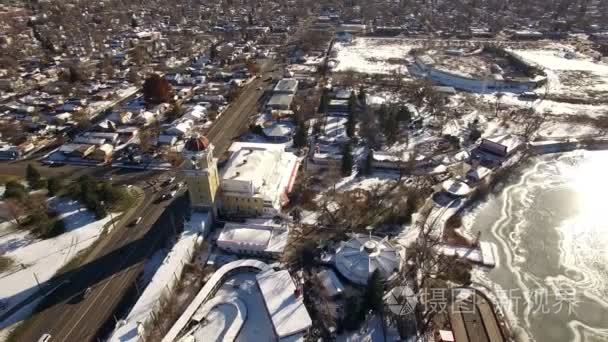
352, 102
347, 160
213, 52
353, 314
300, 138
15, 190
362, 96
350, 125
389, 123
374, 292
352, 119
324, 102
404, 114
54, 185
369, 168
33, 177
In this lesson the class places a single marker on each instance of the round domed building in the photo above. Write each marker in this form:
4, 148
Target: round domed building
357, 258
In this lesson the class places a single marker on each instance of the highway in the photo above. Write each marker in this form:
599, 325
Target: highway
114, 264
109, 270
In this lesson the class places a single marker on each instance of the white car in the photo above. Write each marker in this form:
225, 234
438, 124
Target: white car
45, 338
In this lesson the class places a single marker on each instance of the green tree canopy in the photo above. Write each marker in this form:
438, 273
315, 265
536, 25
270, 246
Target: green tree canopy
32, 175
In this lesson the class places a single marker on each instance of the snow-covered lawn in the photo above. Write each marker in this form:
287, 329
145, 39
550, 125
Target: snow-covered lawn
561, 130
373, 55
41, 259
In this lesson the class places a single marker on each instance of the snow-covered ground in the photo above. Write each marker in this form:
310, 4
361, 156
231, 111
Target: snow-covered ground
373, 55
550, 106
165, 276
569, 73
38, 260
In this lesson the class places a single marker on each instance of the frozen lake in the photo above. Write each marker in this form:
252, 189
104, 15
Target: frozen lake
551, 230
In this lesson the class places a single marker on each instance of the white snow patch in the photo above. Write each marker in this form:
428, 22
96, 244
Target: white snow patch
41, 259
373, 55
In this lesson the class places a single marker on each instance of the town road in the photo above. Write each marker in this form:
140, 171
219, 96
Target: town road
235, 119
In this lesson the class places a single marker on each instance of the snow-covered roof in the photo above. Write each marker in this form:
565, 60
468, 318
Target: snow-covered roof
264, 169
510, 141
285, 306
207, 290
286, 86
280, 129
280, 100
478, 173
456, 188
359, 257
254, 235
195, 113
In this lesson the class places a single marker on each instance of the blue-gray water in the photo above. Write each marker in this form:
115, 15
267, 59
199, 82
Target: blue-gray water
550, 226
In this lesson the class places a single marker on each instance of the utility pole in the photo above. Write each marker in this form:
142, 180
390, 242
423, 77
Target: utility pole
37, 281
103, 203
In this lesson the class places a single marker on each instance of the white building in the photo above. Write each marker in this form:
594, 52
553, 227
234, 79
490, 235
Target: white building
425, 67
285, 305
255, 237
256, 179
286, 86
280, 101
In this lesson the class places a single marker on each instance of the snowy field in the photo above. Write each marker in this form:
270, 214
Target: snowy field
373, 55
41, 259
569, 73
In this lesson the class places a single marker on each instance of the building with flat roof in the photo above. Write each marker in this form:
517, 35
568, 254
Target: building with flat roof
256, 179
284, 304
255, 237
502, 145
280, 101
286, 86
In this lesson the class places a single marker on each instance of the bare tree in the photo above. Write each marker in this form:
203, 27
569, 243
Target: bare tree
15, 210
